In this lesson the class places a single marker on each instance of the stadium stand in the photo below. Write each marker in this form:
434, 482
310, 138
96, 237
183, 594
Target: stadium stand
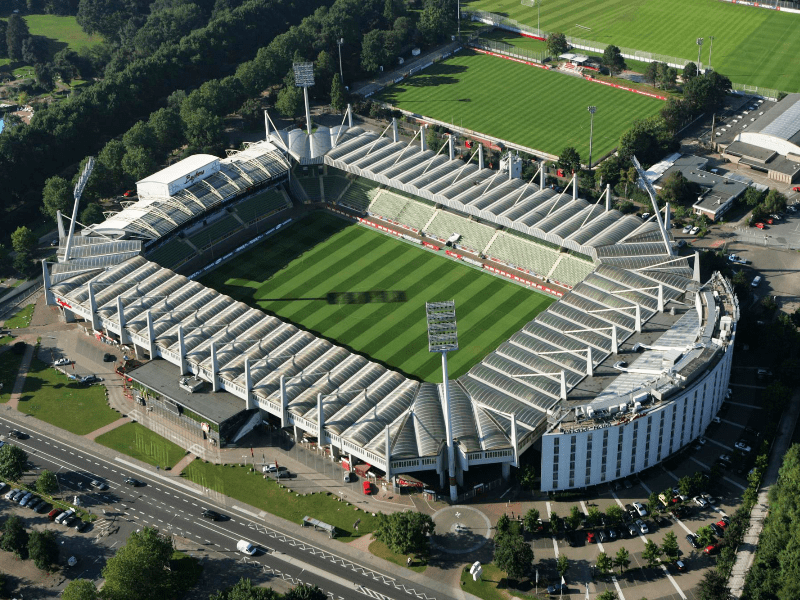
359, 195
416, 214
334, 186
312, 187
571, 270
262, 205
209, 234
520, 252
388, 205
171, 254
473, 235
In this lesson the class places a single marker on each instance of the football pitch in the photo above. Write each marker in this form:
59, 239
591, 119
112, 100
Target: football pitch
751, 45
522, 104
290, 274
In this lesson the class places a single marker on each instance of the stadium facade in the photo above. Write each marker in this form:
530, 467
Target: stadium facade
629, 366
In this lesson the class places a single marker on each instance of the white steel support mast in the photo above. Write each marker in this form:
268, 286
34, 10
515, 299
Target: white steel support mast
304, 78
87, 171
443, 338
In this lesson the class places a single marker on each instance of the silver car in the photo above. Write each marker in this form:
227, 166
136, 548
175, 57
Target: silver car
642, 526
24, 500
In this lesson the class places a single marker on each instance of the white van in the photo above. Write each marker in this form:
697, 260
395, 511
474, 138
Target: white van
245, 547
756, 281
65, 515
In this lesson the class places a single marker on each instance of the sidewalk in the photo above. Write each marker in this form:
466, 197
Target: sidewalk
105, 429
746, 554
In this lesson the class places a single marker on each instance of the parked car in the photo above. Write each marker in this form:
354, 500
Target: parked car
11, 493
724, 458
81, 525
796, 188
367, 487
646, 216
722, 524
632, 529
718, 531
54, 514
283, 474
89, 379
18, 496
65, 515
61, 362
642, 526
3, 485
640, 509
70, 521
687, 229
692, 539
726, 519
743, 447
761, 226
700, 501
129, 193
735, 258
348, 477
556, 588
108, 357
680, 565
25, 499
34, 502
590, 537
694, 230
711, 549
662, 521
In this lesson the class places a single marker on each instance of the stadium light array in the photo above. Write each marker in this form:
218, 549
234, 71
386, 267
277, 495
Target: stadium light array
303, 74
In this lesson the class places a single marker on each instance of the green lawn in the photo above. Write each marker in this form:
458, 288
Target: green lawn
381, 550
142, 444
322, 253
251, 488
9, 367
61, 32
51, 396
751, 45
492, 585
21, 318
540, 109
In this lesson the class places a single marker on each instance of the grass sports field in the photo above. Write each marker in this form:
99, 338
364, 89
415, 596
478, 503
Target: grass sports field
60, 32
323, 253
520, 103
751, 45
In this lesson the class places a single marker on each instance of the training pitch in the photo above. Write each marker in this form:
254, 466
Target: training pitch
751, 45
522, 104
290, 274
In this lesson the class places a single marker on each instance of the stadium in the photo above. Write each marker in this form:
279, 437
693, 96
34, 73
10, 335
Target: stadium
628, 365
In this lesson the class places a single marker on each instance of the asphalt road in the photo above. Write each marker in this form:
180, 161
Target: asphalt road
175, 509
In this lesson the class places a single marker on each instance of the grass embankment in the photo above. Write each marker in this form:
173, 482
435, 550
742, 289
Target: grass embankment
9, 368
381, 550
51, 396
140, 443
251, 488
21, 318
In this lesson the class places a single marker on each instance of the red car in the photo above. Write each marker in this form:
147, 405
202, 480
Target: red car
761, 226
769, 221
712, 549
590, 537
129, 193
796, 188
722, 524
367, 488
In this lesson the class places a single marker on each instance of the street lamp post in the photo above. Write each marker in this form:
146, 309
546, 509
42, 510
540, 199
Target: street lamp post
339, 43
592, 110
710, 48
699, 49
538, 20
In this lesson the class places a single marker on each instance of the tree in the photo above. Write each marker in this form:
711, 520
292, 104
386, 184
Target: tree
289, 98
93, 213
436, 18
531, 519
47, 483
43, 549
647, 139
676, 189
513, 555
45, 76
608, 171
13, 462
141, 134
594, 517
689, 71
608, 595
34, 50
615, 514
56, 195
405, 532
338, 98
753, 197
775, 202
374, 53
245, 590
554, 523
574, 518
557, 44
651, 73
15, 538
22, 263
138, 163
622, 560
16, 33
705, 536
3, 42
305, 591
569, 160
503, 524
652, 553
674, 113
706, 93
713, 586
562, 565
604, 563
670, 545
139, 570
80, 589
613, 60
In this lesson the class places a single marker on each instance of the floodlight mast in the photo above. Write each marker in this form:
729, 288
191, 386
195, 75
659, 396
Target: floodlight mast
304, 78
443, 338
87, 171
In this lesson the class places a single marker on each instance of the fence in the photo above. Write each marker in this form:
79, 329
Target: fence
508, 50
21, 294
780, 5
754, 90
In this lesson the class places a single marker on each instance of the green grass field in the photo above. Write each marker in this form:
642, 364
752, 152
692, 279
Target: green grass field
9, 368
751, 45
522, 104
324, 253
139, 442
51, 396
61, 32
21, 318
265, 494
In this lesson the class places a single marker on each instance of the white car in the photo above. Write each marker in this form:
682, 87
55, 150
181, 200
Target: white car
61, 362
245, 547
735, 258
700, 501
639, 507
687, 229
645, 216
694, 230
642, 526
742, 446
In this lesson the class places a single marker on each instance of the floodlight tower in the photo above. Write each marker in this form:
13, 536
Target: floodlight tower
699, 49
443, 338
592, 110
710, 48
304, 78
87, 171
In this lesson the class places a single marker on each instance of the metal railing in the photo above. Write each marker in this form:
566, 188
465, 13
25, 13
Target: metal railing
508, 50
754, 90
